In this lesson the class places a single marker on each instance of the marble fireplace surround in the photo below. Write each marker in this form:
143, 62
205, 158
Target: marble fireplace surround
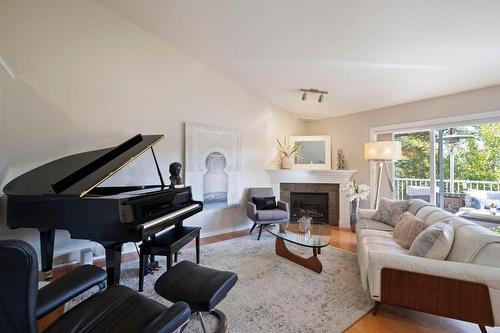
296, 176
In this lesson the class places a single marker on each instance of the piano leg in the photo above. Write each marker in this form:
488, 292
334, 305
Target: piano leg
113, 263
47, 251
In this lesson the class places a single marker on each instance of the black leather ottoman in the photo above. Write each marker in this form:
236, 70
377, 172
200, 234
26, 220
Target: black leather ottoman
201, 287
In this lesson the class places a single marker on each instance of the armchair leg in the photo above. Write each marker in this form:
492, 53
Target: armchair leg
260, 231
376, 308
483, 329
253, 227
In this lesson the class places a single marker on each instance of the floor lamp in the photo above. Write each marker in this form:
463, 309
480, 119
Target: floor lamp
382, 152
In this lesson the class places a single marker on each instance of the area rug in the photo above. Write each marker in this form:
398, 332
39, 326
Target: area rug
273, 294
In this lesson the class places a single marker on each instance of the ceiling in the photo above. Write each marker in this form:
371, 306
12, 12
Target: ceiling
367, 54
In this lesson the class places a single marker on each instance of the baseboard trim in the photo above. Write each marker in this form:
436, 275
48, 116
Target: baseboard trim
132, 254
224, 231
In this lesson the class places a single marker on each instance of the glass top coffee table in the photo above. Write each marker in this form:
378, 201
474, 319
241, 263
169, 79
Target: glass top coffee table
317, 237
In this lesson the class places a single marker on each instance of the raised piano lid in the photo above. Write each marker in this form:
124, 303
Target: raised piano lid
78, 174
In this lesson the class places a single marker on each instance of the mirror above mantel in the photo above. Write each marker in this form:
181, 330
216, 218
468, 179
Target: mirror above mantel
316, 152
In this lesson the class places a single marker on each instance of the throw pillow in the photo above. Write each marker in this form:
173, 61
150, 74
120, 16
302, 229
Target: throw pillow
264, 203
389, 211
475, 198
468, 200
434, 242
407, 229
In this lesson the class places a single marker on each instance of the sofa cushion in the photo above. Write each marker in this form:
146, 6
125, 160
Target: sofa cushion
436, 216
271, 215
373, 242
416, 204
407, 229
474, 244
459, 222
366, 213
390, 210
361, 233
434, 242
424, 212
372, 224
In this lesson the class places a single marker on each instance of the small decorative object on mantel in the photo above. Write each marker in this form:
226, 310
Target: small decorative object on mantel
341, 161
287, 153
354, 193
305, 223
175, 175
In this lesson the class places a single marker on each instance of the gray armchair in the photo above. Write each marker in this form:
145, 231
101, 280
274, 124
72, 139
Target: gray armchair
262, 217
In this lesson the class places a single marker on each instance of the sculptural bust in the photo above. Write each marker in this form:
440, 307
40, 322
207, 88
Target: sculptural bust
175, 174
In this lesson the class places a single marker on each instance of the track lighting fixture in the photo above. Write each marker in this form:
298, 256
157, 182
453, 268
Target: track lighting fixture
321, 93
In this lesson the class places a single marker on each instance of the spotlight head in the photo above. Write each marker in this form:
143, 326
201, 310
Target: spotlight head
321, 98
304, 96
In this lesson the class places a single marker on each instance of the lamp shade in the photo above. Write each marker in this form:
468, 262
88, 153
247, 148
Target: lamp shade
383, 151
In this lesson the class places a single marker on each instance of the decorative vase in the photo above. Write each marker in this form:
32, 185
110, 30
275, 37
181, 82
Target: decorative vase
304, 224
286, 163
354, 213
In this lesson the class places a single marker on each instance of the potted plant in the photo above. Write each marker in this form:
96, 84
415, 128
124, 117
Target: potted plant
354, 193
287, 153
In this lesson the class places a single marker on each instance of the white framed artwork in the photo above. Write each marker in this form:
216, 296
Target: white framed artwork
316, 152
213, 164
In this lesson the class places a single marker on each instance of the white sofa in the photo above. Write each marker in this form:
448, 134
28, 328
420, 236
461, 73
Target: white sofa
465, 286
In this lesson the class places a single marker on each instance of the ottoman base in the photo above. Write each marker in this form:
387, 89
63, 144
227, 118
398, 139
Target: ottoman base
221, 317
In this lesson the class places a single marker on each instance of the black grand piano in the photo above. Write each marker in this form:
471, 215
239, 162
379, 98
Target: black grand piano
65, 194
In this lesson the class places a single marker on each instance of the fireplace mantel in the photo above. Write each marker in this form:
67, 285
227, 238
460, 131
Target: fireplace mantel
340, 177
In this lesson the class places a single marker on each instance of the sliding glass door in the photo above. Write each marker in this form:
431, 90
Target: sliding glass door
442, 165
413, 174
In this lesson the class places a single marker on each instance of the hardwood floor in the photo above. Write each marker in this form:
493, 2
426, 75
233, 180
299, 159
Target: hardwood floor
388, 320
344, 238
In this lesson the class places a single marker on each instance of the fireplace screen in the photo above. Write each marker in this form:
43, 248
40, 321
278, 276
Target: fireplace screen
314, 205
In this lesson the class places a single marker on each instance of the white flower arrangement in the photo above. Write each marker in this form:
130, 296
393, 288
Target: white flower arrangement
353, 191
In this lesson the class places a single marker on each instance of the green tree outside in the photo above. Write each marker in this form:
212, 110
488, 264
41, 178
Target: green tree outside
476, 159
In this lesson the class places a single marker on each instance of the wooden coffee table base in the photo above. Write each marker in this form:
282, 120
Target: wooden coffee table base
312, 262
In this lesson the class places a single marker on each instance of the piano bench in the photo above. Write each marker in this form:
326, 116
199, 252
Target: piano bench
167, 244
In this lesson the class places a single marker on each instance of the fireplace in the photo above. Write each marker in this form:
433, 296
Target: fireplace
284, 182
321, 199
312, 204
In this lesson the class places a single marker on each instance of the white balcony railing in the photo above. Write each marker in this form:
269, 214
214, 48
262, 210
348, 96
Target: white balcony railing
401, 184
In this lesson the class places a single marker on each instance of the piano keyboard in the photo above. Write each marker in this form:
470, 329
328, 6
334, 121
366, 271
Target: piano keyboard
170, 216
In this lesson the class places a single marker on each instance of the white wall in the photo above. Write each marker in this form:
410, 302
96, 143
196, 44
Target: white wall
88, 78
350, 132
